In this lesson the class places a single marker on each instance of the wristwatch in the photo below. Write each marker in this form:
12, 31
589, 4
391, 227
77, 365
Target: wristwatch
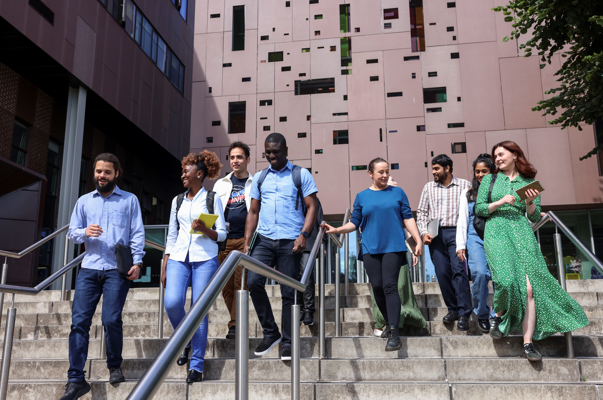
139, 265
306, 234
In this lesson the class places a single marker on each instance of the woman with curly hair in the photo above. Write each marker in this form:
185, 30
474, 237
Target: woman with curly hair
191, 255
527, 297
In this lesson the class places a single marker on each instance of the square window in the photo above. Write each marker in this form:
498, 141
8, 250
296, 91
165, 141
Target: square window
265, 102
306, 50
318, 16
266, 127
412, 58
432, 74
345, 97
450, 29
282, 119
346, 72
225, 65
454, 55
357, 30
316, 33
308, 118
395, 166
236, 116
372, 61
313, 1
456, 125
301, 135
374, 78
302, 74
458, 99
247, 79
318, 151
387, 25
209, 139
434, 95
414, 75
390, 13
458, 148
285, 69
266, 37
454, 38
420, 128
340, 137
333, 48
20, 143
214, 16
238, 28
394, 94
451, 4
275, 56
359, 167
216, 123
433, 110
287, 4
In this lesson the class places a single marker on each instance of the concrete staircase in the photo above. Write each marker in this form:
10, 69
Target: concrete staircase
434, 363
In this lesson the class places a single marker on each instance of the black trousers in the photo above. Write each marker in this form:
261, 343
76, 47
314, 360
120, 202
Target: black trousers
383, 271
454, 282
306, 299
279, 254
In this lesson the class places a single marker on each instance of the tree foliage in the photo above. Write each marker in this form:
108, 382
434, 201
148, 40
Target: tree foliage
575, 29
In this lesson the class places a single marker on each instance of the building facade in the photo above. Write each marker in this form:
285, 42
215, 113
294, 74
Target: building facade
348, 81
80, 78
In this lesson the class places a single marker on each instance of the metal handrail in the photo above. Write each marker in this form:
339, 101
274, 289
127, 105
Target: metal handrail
148, 385
33, 246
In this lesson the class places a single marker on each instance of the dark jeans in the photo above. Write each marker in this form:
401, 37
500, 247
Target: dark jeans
383, 271
454, 282
89, 287
277, 253
306, 299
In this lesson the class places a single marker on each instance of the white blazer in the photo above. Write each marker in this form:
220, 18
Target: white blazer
223, 187
462, 225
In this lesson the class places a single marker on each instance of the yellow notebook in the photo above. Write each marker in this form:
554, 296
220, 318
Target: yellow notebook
209, 219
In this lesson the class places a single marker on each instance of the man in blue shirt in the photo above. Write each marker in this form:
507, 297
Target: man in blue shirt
100, 220
282, 233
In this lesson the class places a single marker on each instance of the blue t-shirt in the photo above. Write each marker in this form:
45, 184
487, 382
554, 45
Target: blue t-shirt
380, 215
278, 217
236, 209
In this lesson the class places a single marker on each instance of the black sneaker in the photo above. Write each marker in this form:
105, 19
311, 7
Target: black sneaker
267, 345
463, 324
385, 333
75, 390
393, 339
232, 332
530, 352
308, 318
116, 375
494, 331
483, 324
286, 354
450, 317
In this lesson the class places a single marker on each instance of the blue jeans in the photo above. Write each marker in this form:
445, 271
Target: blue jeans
279, 254
90, 284
178, 277
481, 275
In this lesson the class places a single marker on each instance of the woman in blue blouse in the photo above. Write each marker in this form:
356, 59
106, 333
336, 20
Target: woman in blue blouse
192, 256
379, 212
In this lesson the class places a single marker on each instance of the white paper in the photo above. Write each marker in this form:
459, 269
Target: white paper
432, 227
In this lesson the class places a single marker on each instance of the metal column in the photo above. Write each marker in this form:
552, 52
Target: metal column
321, 294
337, 295
569, 345
329, 263
65, 261
70, 170
295, 351
3, 281
9, 332
242, 345
346, 261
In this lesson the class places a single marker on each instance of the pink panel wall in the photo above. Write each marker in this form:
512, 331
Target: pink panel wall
481, 93
588, 184
201, 16
441, 144
503, 29
328, 26
366, 15
199, 58
391, 41
368, 140
275, 21
265, 77
548, 153
406, 147
398, 78
216, 24
295, 109
218, 112
301, 20
549, 81
437, 18
251, 13
522, 90
215, 43
243, 65
476, 145
366, 97
402, 24
476, 21
296, 61
517, 135
198, 114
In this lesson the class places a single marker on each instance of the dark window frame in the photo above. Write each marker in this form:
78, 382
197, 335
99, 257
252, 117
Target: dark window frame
20, 150
237, 118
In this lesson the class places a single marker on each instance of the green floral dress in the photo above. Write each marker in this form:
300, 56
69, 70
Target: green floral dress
410, 315
513, 253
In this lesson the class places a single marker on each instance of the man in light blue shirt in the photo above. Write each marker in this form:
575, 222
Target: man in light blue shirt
100, 220
285, 222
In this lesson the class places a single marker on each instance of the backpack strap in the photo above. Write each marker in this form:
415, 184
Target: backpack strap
179, 200
297, 181
491, 187
261, 179
210, 202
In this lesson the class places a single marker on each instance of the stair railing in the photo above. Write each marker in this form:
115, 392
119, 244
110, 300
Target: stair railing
152, 379
559, 225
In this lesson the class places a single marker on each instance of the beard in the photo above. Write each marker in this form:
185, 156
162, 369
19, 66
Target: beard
440, 177
107, 188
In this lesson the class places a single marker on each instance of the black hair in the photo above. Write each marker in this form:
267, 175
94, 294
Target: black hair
206, 162
276, 138
487, 160
240, 145
442, 160
108, 157
376, 161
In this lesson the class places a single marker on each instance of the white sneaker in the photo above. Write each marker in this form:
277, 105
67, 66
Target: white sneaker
377, 332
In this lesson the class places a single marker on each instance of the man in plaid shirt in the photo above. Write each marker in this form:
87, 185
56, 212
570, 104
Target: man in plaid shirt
440, 199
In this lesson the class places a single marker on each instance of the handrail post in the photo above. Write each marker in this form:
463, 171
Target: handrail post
3, 281
9, 333
329, 263
242, 345
64, 278
161, 300
295, 353
337, 294
569, 345
346, 261
321, 293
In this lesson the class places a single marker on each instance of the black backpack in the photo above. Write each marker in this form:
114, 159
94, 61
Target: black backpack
210, 201
479, 223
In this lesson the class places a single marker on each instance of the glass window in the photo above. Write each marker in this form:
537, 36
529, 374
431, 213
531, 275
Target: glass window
417, 30
130, 16
340, 137
161, 54
138, 28
168, 62
19, 148
346, 51
434, 95
175, 71
181, 82
344, 18
154, 49
83, 177
315, 86
390, 13
238, 28
147, 37
275, 56
236, 117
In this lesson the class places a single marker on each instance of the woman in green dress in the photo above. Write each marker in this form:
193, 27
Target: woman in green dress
527, 296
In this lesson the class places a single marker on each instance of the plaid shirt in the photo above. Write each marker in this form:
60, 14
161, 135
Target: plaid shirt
439, 201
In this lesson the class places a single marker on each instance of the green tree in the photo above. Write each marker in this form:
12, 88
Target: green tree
552, 25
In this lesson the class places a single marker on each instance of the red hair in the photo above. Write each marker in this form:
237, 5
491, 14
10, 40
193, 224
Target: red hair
521, 163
